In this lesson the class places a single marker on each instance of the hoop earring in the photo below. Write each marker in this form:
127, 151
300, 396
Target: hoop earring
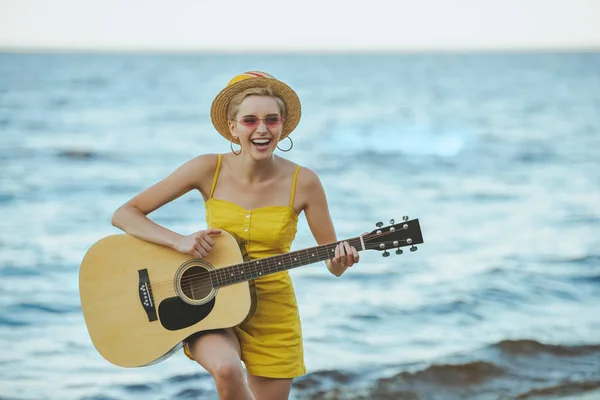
231, 147
291, 145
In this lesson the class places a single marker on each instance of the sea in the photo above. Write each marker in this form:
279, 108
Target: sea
497, 154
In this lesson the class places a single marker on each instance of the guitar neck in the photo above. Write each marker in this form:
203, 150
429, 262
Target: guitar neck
269, 265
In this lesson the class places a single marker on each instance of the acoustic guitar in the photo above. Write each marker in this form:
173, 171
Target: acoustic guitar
141, 300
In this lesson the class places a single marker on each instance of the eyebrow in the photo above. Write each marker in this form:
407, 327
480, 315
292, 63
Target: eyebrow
268, 115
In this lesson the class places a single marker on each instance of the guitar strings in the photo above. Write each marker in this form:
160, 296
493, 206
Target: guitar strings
201, 277
203, 283
206, 283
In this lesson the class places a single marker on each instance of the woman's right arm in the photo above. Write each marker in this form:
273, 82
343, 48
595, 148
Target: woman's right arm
132, 218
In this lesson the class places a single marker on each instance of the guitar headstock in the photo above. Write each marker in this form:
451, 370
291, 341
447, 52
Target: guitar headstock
394, 236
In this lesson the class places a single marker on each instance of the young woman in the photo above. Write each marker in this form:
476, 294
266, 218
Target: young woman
257, 196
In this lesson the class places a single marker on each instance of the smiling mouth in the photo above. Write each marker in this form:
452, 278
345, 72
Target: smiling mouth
261, 143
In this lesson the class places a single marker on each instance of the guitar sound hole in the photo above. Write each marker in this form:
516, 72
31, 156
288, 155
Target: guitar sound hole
195, 283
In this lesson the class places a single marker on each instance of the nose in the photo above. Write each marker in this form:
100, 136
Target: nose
262, 127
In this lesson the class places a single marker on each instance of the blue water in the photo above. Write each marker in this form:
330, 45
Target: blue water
497, 155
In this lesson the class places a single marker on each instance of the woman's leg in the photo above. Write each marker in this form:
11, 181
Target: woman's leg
270, 388
219, 353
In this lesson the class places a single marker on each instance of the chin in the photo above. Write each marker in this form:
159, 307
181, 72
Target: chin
261, 154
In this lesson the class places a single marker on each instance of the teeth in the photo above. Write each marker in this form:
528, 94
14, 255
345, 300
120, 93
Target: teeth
261, 141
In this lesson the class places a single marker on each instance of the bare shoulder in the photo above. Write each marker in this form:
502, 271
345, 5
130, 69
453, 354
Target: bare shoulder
204, 163
305, 175
308, 179
195, 173
203, 168
309, 189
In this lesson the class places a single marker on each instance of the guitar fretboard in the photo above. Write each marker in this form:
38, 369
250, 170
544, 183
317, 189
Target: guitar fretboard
265, 266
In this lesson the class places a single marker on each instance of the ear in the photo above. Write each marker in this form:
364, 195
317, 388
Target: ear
232, 128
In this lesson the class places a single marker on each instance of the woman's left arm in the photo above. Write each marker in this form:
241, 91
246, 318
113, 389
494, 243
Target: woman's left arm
319, 221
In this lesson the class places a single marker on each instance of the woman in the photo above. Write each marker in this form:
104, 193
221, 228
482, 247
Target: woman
256, 196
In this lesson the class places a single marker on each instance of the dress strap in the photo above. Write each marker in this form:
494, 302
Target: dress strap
294, 186
212, 190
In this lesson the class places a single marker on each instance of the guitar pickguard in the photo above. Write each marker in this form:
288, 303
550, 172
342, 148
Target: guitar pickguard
175, 314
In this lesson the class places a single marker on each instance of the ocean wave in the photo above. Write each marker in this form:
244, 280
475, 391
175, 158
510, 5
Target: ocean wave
5, 321
566, 388
588, 259
186, 378
520, 369
595, 279
190, 393
6, 198
20, 308
74, 154
140, 387
532, 347
10, 271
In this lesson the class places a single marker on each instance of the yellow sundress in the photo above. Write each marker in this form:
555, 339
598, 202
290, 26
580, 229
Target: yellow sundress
271, 340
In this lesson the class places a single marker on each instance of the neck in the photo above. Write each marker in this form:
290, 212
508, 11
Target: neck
251, 170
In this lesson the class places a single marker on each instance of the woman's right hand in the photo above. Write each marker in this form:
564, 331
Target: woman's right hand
197, 244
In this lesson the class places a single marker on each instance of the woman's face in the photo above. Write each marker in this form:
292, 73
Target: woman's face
258, 126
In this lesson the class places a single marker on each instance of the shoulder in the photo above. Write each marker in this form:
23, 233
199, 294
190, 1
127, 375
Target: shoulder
199, 170
309, 190
308, 183
204, 163
306, 176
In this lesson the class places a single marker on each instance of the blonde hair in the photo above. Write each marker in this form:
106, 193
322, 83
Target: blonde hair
236, 101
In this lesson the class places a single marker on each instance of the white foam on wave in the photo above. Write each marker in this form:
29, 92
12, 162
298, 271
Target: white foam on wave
385, 136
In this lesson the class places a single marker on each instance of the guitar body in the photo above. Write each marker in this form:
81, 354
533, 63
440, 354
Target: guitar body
140, 300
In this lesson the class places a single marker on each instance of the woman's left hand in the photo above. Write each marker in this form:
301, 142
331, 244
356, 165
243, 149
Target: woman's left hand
345, 256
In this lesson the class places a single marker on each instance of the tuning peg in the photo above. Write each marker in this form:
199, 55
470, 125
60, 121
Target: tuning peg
386, 254
413, 248
405, 218
392, 221
399, 251
379, 224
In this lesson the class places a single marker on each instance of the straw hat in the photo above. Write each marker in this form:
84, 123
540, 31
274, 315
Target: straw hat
255, 79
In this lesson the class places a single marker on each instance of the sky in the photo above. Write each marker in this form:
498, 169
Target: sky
300, 25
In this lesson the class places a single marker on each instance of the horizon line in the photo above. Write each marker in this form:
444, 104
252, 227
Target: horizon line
300, 50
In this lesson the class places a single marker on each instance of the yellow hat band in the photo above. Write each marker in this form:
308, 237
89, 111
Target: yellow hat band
249, 74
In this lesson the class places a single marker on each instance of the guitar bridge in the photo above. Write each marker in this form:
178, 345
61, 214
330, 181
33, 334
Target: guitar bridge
145, 292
